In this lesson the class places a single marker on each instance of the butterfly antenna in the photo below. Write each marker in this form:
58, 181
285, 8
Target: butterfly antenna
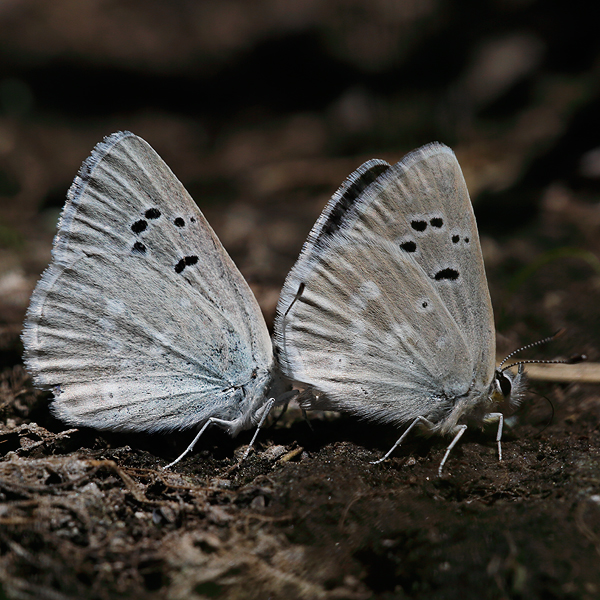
538, 343
298, 294
573, 360
285, 314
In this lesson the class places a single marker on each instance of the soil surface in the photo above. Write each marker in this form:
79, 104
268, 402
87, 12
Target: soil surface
262, 109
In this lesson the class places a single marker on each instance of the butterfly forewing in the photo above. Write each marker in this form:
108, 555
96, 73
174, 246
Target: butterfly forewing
141, 303
422, 204
127, 202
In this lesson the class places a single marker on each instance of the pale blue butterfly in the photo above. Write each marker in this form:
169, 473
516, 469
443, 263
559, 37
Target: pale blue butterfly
386, 313
142, 322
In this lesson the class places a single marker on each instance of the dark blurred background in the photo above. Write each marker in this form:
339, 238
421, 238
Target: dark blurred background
262, 109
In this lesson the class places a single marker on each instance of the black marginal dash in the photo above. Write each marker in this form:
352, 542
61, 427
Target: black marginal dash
451, 274
186, 261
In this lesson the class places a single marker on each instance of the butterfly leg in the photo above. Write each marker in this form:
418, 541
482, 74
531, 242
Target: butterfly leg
459, 429
265, 413
285, 400
418, 421
227, 425
191, 446
307, 420
500, 417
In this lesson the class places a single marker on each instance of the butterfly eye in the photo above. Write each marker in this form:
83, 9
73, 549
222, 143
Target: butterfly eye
505, 384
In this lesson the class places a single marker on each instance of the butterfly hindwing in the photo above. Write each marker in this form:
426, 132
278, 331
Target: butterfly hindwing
352, 338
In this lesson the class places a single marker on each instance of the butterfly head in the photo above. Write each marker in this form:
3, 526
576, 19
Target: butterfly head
508, 386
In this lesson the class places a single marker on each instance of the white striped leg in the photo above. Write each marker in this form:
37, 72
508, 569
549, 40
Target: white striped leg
459, 429
268, 406
209, 422
500, 417
418, 421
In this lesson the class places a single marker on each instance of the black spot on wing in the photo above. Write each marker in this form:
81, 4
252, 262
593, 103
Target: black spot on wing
408, 246
418, 225
139, 226
139, 248
152, 213
179, 222
437, 222
450, 274
186, 261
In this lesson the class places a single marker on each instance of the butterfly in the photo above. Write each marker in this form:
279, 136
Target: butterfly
387, 314
142, 322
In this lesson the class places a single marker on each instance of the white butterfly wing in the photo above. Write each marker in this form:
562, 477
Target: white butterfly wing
387, 310
142, 321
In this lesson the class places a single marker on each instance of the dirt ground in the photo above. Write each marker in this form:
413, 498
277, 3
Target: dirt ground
262, 112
